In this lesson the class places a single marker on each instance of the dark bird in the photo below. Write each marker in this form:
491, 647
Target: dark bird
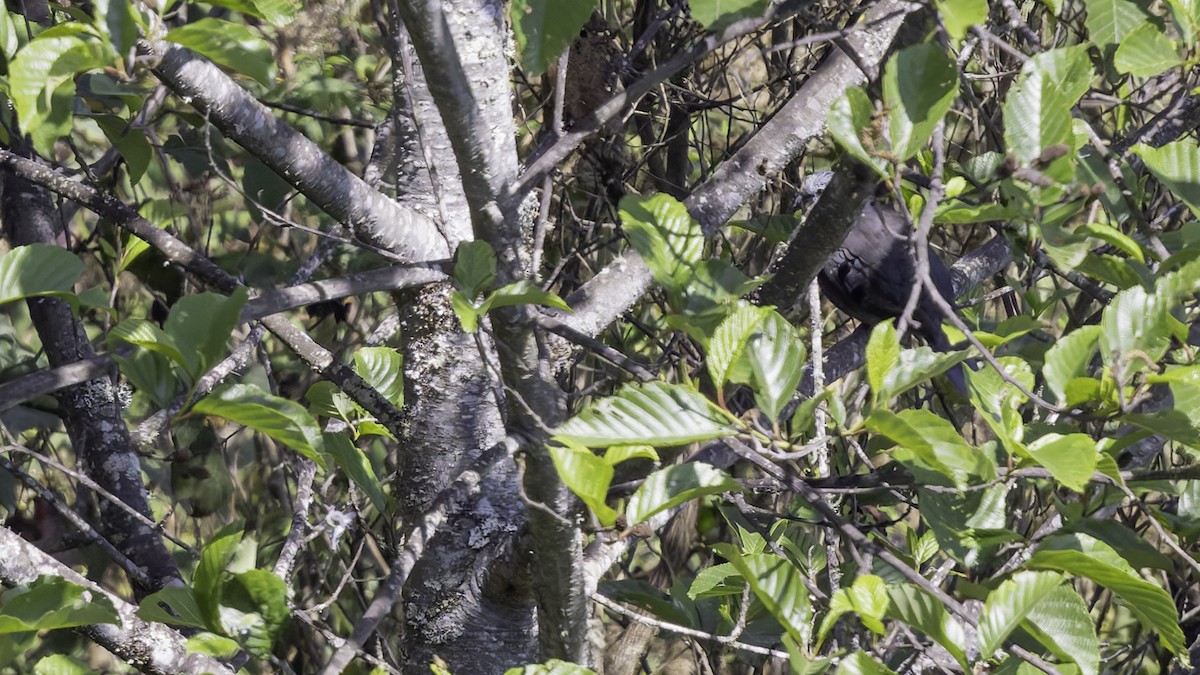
871, 276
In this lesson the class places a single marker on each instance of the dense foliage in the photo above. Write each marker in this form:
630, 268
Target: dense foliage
388, 336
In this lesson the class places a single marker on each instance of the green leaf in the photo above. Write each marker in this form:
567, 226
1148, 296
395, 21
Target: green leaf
212, 645
37, 269
9, 41
278, 12
959, 15
282, 420
674, 485
261, 597
588, 476
913, 606
1110, 22
716, 581
934, 444
728, 343
544, 28
229, 44
474, 268
173, 605
656, 414
325, 399
883, 355
523, 292
1008, 606
716, 14
1071, 459
42, 80
464, 307
146, 335
52, 602
665, 234
778, 585
207, 584
860, 663
1187, 16
117, 21
383, 369
1086, 556
1146, 52
1037, 112
914, 367
919, 85
619, 453
354, 463
1069, 358
131, 143
200, 325
1177, 166
851, 121
999, 402
1060, 621
60, 664
1136, 330
551, 667
776, 355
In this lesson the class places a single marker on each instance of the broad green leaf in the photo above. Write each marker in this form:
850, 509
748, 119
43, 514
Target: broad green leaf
716, 14
934, 443
262, 596
619, 453
998, 402
665, 234
1086, 556
655, 414
466, 310
915, 366
869, 599
674, 485
1037, 112
1187, 16
37, 269
967, 527
551, 667
42, 80
776, 355
325, 399
9, 41
523, 292
1136, 330
1071, 459
778, 585
60, 664
278, 12
1060, 621
174, 606
214, 558
232, 45
913, 606
1177, 166
1069, 358
1146, 52
1010, 604
544, 28
716, 581
117, 21
1110, 22
146, 335
959, 15
883, 355
919, 85
200, 325
52, 602
212, 645
354, 463
474, 268
383, 369
851, 121
861, 663
728, 343
132, 145
1118, 239
284, 421
588, 476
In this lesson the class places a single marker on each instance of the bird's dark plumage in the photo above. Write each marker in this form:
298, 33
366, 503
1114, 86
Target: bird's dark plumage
871, 276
